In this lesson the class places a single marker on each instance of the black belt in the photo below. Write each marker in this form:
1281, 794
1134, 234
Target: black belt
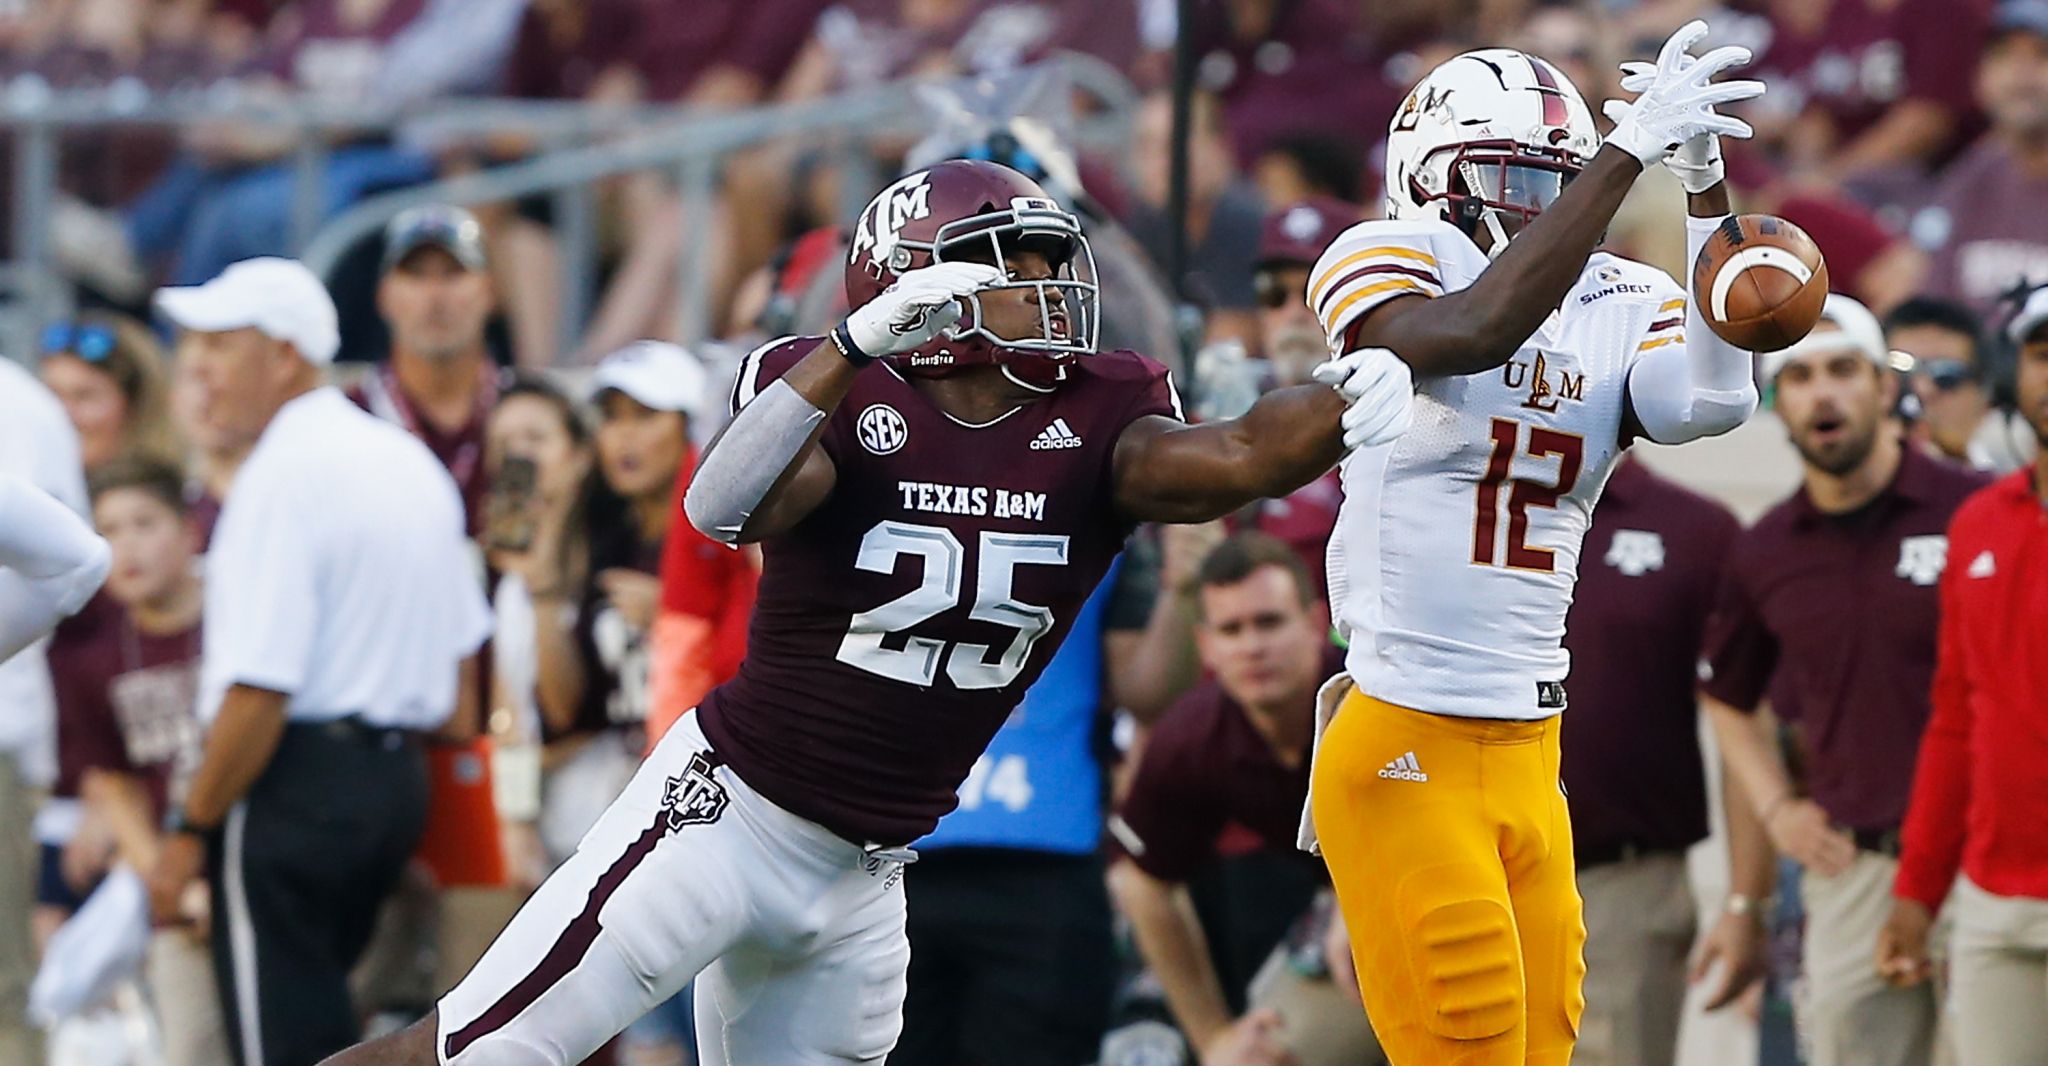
1620, 851
1884, 842
352, 728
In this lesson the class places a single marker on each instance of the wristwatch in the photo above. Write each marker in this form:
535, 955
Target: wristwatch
176, 821
1742, 906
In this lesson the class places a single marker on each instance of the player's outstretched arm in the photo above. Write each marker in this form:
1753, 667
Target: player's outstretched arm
1480, 327
1168, 471
765, 472
51, 563
1706, 386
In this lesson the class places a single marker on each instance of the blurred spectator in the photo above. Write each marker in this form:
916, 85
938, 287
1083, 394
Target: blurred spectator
1830, 600
1647, 575
228, 198
38, 446
1235, 752
108, 372
217, 452
1977, 806
1950, 379
1867, 89
438, 381
859, 44
1308, 166
1223, 212
1281, 68
538, 461
1983, 226
700, 631
591, 622
126, 679
1011, 950
342, 616
1152, 658
1293, 236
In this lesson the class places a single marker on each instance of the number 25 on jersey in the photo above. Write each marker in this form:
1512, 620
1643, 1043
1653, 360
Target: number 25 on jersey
917, 662
1569, 450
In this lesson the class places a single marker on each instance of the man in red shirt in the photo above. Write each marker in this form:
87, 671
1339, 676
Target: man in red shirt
1980, 801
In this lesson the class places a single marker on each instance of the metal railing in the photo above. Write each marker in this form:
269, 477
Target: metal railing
579, 146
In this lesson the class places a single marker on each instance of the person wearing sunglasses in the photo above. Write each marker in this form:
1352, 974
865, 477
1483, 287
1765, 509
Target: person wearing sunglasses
1957, 421
108, 373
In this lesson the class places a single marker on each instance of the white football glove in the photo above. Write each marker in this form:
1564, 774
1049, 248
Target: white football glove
917, 308
1678, 96
1378, 389
1697, 162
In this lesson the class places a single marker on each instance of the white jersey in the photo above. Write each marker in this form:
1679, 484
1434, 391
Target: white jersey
1458, 543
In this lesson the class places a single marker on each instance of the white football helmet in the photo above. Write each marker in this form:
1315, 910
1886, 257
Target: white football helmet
1488, 139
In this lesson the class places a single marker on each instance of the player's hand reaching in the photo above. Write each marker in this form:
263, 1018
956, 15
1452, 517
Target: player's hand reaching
1697, 162
1378, 391
1678, 95
920, 306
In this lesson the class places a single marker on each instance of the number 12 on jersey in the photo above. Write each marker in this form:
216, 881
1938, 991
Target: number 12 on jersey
1570, 450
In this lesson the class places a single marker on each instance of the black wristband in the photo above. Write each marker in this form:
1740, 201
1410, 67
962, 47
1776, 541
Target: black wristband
843, 340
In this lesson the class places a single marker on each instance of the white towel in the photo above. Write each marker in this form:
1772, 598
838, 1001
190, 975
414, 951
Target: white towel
1328, 699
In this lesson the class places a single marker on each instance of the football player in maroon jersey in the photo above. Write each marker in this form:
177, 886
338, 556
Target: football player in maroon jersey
937, 486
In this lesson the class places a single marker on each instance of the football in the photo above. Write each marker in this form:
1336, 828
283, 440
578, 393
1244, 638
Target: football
1763, 281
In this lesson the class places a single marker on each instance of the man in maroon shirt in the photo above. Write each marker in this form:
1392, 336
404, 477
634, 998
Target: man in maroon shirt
1233, 752
1830, 599
1647, 577
1984, 225
1979, 804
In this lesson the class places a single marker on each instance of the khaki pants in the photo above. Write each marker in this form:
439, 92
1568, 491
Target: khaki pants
1998, 978
19, 1041
187, 999
1639, 931
1850, 1016
1321, 1025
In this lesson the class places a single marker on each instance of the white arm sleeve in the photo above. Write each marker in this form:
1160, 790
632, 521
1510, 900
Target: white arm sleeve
1701, 388
763, 439
53, 563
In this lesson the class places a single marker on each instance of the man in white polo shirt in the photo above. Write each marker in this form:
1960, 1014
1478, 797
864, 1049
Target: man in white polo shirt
341, 605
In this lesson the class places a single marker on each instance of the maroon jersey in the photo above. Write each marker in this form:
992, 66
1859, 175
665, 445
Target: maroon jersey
125, 701
901, 621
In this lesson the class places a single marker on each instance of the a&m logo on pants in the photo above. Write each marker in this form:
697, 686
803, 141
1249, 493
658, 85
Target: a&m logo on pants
694, 797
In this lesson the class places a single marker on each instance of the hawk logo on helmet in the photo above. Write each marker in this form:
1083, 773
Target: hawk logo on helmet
881, 226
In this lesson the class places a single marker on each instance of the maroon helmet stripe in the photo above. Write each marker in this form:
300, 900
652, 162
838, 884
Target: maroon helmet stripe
568, 949
1375, 268
1554, 113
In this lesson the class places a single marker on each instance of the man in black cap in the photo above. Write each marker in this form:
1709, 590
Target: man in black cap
439, 381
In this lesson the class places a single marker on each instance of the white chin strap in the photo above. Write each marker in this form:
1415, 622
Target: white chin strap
1491, 217
1041, 389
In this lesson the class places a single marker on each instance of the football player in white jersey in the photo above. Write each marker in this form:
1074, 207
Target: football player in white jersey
1536, 360
51, 563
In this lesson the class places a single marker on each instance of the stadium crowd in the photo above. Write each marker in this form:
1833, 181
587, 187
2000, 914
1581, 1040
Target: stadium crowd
1120, 883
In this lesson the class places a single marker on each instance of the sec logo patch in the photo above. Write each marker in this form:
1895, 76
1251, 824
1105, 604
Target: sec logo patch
882, 430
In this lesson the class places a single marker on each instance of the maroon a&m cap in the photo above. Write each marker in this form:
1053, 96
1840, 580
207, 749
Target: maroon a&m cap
1296, 235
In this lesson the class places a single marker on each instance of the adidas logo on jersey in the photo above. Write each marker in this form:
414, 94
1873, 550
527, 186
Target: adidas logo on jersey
1056, 435
1403, 769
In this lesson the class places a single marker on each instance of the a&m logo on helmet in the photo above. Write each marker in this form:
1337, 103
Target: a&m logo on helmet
881, 226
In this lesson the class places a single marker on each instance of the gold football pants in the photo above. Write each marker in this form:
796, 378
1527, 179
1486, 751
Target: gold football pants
1451, 852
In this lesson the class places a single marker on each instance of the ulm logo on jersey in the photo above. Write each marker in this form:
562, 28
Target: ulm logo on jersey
1542, 397
882, 226
882, 430
1921, 558
694, 797
1635, 552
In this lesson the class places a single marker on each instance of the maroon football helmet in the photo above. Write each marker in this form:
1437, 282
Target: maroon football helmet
977, 211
